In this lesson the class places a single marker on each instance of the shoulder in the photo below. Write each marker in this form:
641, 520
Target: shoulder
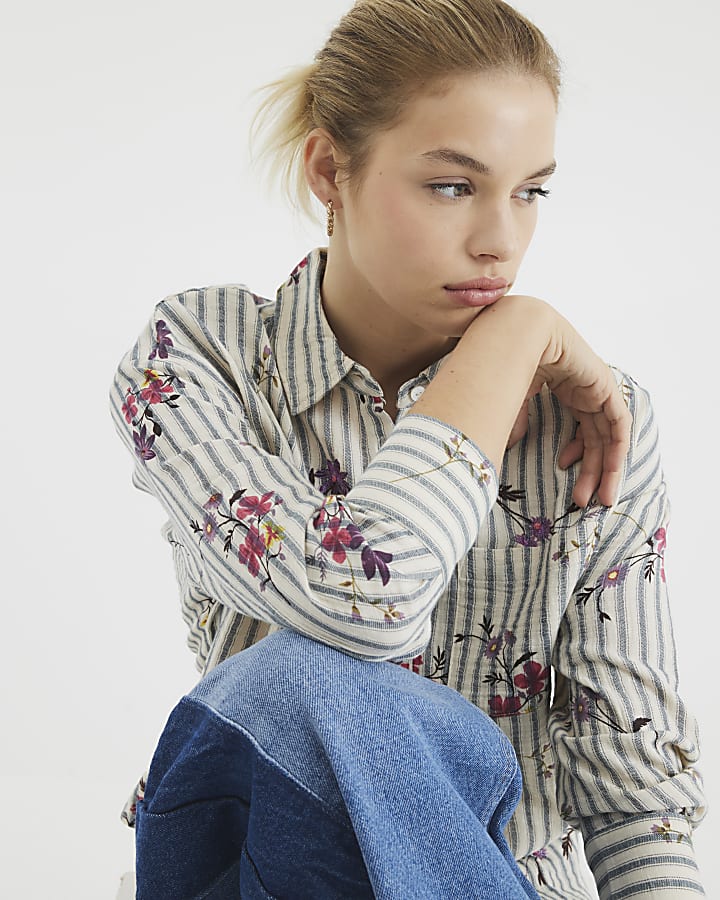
216, 307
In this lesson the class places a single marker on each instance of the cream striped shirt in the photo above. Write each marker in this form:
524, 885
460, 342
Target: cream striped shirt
295, 501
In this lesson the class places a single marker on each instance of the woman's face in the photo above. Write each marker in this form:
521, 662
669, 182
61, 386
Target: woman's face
448, 196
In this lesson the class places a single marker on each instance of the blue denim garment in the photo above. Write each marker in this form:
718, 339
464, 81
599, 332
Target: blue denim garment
295, 771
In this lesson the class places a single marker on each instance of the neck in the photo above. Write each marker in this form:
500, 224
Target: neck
392, 348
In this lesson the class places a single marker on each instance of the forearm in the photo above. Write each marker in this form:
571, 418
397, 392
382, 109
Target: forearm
482, 385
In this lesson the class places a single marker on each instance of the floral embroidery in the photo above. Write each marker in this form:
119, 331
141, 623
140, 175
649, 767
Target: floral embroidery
265, 367
523, 690
439, 666
588, 705
536, 856
295, 274
338, 535
616, 575
455, 453
262, 537
162, 341
538, 755
536, 530
332, 479
158, 389
668, 833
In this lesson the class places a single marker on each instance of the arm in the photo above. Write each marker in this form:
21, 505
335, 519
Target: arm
361, 572
625, 742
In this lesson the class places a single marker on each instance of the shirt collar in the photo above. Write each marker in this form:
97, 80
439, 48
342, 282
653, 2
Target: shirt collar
307, 353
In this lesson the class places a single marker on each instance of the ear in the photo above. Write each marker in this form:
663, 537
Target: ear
320, 161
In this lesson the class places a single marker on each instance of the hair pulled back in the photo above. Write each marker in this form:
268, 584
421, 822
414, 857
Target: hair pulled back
381, 54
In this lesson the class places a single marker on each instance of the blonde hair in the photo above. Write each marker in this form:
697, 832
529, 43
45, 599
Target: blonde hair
381, 54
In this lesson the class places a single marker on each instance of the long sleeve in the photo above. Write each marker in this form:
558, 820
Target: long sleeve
625, 742
361, 568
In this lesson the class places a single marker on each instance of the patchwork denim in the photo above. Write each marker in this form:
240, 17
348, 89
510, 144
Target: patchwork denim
295, 771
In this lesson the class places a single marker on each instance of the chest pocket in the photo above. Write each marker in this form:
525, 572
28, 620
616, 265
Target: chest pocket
503, 614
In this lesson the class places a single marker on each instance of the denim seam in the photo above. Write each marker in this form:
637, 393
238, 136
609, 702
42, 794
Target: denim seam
265, 755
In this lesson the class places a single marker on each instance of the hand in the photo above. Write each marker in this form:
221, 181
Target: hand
586, 385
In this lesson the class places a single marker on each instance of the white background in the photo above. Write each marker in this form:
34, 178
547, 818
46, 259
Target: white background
125, 176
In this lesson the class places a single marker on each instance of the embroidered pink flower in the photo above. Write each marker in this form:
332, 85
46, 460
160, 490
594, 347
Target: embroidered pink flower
504, 706
414, 665
336, 539
532, 679
254, 506
295, 274
252, 550
129, 407
155, 388
660, 539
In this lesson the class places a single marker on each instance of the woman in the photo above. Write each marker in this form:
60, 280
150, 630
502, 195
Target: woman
402, 460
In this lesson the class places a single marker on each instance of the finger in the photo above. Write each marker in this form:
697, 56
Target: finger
617, 444
573, 450
591, 468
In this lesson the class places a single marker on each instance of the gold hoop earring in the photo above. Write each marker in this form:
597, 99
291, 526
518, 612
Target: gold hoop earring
330, 218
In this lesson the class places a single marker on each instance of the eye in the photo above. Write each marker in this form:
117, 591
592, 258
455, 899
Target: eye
455, 190
532, 193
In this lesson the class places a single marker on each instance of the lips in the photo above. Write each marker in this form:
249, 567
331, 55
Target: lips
478, 292
479, 284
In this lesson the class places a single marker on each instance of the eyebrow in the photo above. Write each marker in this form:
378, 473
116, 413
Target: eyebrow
446, 155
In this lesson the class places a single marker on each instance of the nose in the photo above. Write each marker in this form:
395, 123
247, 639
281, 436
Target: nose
494, 232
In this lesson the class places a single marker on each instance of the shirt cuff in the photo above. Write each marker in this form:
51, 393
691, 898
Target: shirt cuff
645, 855
442, 482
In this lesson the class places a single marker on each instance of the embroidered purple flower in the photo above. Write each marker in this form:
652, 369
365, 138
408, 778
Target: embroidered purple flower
375, 561
209, 528
254, 506
540, 530
664, 828
213, 501
504, 706
143, 444
129, 407
540, 854
493, 647
252, 550
615, 576
162, 341
510, 638
332, 479
532, 679
582, 707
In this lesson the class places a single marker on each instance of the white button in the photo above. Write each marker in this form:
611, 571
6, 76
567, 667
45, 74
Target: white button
417, 392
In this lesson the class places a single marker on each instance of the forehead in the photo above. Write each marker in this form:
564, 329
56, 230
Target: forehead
505, 120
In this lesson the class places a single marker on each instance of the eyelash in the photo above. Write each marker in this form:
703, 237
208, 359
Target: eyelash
438, 188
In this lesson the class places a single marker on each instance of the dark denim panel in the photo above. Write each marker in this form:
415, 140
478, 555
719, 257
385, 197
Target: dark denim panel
306, 773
